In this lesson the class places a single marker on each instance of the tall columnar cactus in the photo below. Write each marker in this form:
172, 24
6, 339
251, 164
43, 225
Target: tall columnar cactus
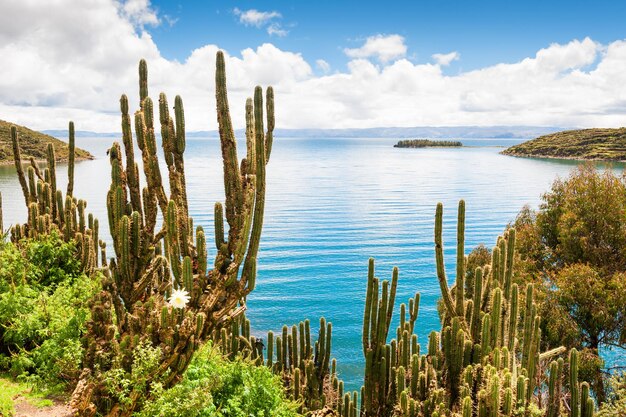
48, 210
485, 362
153, 265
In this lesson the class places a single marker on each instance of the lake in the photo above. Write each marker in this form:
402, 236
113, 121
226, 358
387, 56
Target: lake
332, 204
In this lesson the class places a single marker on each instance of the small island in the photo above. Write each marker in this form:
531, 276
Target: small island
34, 145
427, 143
583, 144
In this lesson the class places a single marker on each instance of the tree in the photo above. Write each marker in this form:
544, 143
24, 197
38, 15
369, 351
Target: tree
575, 245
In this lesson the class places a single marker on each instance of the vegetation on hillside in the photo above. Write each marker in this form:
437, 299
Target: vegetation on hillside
34, 144
593, 144
426, 143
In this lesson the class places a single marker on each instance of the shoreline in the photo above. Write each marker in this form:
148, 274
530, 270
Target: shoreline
63, 161
567, 158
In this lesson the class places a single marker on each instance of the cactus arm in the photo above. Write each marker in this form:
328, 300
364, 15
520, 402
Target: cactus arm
71, 160
460, 261
441, 272
131, 173
232, 179
269, 137
17, 157
259, 206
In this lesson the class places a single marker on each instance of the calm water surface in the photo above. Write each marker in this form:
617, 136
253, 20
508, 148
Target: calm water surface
332, 204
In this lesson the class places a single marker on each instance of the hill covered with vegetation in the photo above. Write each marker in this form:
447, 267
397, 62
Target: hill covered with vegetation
593, 144
33, 144
426, 143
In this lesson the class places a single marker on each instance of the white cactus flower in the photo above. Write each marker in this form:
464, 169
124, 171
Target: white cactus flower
179, 298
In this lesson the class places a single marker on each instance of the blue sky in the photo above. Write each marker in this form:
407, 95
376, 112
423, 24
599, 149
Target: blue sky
333, 64
482, 32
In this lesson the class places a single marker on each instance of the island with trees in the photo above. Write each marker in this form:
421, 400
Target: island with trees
583, 144
427, 143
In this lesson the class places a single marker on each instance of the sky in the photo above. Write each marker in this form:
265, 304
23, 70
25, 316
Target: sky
333, 64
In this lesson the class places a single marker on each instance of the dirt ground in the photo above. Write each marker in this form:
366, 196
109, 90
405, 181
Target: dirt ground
24, 409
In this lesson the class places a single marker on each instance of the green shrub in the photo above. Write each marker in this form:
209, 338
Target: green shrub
43, 310
615, 406
214, 386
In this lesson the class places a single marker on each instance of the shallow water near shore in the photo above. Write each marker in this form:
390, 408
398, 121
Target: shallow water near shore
332, 204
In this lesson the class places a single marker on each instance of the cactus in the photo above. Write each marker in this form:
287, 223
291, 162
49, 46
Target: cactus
149, 264
308, 373
47, 211
478, 365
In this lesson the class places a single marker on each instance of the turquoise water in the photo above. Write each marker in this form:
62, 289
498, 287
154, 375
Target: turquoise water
332, 204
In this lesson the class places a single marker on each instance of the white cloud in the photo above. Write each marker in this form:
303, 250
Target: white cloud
80, 59
253, 17
323, 65
140, 13
445, 59
383, 47
276, 29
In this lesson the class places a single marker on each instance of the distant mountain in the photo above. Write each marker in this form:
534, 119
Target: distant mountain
60, 133
460, 132
33, 144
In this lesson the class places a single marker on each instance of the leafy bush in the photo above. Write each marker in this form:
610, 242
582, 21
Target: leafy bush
214, 386
615, 406
43, 310
574, 249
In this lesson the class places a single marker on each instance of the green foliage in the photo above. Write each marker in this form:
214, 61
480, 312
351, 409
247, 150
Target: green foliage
615, 406
574, 246
579, 287
121, 386
583, 219
43, 310
41, 263
215, 386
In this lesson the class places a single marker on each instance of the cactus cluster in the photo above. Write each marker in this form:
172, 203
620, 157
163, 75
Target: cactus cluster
304, 363
153, 262
49, 210
485, 362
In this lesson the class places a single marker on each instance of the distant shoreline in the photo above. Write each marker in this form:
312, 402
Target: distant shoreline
11, 162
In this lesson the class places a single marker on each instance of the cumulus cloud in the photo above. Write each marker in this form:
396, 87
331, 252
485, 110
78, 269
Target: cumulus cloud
383, 47
139, 12
323, 65
80, 59
276, 29
445, 59
253, 17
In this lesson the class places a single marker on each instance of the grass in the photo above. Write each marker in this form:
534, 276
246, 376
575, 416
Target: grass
591, 144
11, 390
426, 143
33, 144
